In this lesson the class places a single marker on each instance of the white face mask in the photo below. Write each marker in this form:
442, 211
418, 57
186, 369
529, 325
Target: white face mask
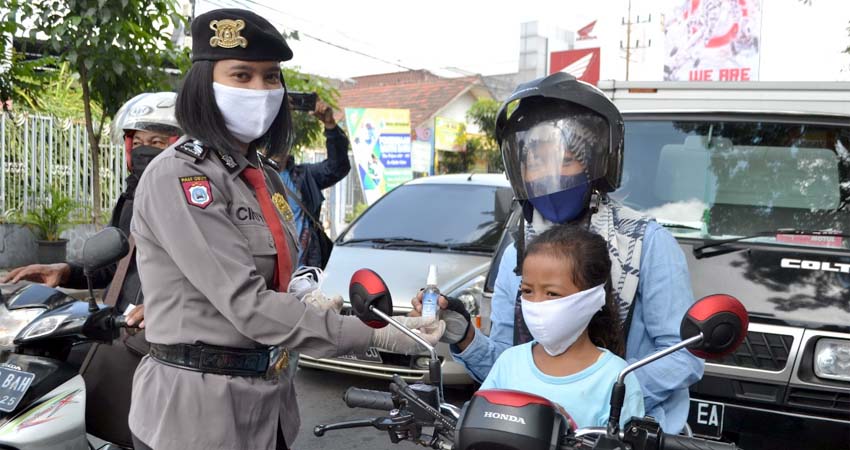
556, 324
248, 113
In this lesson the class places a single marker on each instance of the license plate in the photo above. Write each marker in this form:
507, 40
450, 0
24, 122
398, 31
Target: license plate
372, 355
706, 418
13, 386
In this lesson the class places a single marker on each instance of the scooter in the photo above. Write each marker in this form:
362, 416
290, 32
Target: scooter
42, 395
497, 419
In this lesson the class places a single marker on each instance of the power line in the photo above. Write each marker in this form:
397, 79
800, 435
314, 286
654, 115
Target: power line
316, 38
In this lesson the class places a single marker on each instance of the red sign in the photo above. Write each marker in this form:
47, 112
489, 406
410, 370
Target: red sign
582, 64
584, 33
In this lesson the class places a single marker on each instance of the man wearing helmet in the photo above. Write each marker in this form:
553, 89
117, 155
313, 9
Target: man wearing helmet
146, 125
562, 144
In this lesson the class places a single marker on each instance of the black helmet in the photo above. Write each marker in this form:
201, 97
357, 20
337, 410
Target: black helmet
552, 123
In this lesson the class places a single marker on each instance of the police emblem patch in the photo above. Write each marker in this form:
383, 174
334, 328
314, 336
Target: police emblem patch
283, 206
197, 190
227, 33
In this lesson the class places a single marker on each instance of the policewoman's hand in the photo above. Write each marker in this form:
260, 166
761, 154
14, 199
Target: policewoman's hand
325, 114
394, 341
136, 316
452, 312
324, 303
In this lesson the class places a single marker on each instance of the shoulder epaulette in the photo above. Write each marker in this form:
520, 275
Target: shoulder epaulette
269, 162
193, 148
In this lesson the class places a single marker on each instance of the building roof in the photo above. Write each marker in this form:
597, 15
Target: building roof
420, 91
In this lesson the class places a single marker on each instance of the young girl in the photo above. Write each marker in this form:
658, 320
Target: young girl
566, 303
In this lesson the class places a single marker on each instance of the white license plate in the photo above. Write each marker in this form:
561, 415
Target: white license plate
13, 385
706, 418
372, 355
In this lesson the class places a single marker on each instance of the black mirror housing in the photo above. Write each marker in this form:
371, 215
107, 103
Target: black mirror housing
106, 247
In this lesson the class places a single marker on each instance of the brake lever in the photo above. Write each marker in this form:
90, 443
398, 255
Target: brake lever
401, 388
379, 423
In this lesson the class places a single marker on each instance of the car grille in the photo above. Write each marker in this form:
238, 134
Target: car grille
838, 402
765, 351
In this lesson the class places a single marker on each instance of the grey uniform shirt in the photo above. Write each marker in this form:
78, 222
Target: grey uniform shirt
206, 258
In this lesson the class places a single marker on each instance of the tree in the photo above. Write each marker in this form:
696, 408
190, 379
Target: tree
118, 48
307, 131
477, 147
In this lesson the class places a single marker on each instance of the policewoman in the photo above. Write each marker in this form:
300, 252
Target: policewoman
215, 254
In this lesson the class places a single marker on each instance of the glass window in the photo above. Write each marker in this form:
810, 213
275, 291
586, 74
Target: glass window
450, 214
725, 179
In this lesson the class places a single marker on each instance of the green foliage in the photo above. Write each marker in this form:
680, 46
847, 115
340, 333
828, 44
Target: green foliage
118, 48
358, 209
51, 216
307, 130
481, 149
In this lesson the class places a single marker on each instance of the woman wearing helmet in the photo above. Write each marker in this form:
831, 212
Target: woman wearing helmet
562, 144
146, 125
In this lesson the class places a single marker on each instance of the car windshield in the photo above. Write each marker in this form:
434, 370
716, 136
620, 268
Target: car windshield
717, 180
443, 214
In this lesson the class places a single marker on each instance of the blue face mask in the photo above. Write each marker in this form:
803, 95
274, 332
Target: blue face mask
563, 206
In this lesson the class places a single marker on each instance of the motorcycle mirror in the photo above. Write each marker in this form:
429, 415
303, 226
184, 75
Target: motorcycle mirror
723, 322
104, 248
367, 289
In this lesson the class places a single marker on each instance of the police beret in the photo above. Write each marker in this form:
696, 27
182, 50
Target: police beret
236, 34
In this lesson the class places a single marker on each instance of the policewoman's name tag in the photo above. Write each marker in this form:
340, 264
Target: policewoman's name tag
197, 190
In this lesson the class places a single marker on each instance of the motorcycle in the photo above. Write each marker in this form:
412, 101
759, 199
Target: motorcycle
497, 419
42, 395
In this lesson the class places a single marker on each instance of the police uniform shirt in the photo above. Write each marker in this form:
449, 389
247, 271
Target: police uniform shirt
206, 259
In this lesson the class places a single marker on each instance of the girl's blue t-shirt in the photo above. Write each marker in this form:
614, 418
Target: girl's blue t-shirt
585, 395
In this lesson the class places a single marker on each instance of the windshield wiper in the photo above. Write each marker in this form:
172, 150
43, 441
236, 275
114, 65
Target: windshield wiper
677, 225
699, 252
470, 247
397, 242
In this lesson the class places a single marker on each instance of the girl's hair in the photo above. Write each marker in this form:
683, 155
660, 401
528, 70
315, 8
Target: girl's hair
199, 116
587, 253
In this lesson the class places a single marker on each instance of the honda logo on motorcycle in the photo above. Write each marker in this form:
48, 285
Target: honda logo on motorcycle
501, 416
824, 266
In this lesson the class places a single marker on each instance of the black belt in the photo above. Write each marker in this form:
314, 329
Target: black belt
241, 362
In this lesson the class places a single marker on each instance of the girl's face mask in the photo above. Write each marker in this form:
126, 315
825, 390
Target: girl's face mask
556, 324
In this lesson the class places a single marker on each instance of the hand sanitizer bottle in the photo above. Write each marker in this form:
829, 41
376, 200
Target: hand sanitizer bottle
431, 295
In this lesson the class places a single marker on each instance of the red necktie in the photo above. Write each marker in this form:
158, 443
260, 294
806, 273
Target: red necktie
283, 271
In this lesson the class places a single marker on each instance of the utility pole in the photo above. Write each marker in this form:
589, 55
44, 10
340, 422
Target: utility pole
627, 21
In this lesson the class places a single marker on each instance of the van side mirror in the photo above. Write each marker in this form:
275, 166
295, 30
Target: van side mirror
504, 201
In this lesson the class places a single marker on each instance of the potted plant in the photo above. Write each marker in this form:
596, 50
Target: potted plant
48, 220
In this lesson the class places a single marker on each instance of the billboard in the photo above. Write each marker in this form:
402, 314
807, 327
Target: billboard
582, 64
380, 141
712, 40
446, 134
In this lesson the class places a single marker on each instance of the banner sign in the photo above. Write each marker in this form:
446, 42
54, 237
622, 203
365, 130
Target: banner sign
582, 64
380, 140
713, 40
446, 133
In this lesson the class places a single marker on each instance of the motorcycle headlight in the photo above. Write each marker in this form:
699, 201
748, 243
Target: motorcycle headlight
832, 359
470, 294
43, 326
13, 321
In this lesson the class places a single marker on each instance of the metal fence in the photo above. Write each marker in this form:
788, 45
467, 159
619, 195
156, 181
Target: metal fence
38, 152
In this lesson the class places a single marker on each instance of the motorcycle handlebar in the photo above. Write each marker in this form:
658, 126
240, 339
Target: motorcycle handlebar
366, 398
678, 442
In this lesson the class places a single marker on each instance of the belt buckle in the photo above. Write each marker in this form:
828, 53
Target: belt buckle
278, 361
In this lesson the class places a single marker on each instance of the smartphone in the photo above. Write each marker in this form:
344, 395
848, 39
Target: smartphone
303, 101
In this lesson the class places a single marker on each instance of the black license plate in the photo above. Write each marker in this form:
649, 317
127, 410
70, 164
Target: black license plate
706, 418
13, 386
372, 355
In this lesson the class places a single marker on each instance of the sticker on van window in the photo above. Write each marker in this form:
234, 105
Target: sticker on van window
813, 240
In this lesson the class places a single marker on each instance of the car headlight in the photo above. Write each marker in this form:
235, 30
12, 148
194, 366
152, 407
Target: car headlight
43, 326
470, 294
13, 321
832, 359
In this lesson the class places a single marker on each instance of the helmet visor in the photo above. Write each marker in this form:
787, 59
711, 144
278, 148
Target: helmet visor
555, 155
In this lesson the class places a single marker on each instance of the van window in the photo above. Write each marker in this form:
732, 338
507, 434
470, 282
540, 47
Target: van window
724, 179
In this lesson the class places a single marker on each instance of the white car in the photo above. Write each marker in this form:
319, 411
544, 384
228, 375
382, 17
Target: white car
452, 221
